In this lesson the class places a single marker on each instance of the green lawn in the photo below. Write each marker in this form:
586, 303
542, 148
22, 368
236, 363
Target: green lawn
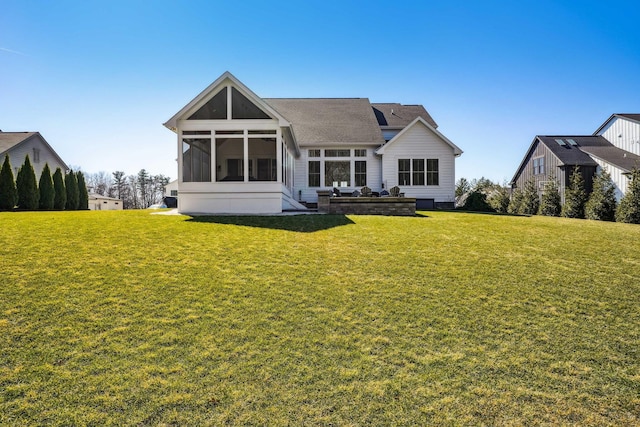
112, 318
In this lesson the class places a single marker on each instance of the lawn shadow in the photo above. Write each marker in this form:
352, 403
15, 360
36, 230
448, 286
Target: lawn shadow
299, 223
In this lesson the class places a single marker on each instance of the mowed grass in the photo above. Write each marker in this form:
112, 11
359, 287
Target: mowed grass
127, 318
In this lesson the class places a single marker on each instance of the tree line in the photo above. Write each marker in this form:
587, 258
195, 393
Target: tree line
137, 191
600, 204
62, 191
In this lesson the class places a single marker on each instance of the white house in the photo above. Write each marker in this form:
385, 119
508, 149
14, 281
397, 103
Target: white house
17, 145
239, 153
99, 202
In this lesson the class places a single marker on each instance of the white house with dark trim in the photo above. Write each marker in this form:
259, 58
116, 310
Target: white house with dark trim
239, 153
17, 145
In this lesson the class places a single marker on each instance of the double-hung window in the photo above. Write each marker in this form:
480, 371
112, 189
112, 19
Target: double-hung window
314, 173
404, 171
433, 173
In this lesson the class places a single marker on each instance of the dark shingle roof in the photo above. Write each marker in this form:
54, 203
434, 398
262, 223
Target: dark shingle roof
635, 117
9, 140
398, 115
572, 155
329, 120
615, 156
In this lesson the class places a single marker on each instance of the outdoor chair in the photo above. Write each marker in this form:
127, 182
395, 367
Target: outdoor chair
365, 191
394, 191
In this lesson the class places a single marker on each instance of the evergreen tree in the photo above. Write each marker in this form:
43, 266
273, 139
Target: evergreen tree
8, 191
602, 201
28, 195
60, 198
515, 204
47, 193
477, 202
550, 202
71, 184
498, 198
629, 208
83, 195
575, 196
530, 199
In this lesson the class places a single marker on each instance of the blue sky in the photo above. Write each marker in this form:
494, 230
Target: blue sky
98, 79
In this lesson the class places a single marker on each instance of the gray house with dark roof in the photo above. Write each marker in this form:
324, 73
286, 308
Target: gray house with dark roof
239, 153
614, 147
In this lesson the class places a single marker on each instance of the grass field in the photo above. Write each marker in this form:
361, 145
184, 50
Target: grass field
127, 318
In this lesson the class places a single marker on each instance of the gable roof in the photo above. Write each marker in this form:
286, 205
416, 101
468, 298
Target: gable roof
628, 116
589, 146
396, 115
456, 150
213, 89
330, 120
10, 140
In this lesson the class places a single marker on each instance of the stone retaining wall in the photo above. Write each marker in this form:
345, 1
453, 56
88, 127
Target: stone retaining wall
393, 206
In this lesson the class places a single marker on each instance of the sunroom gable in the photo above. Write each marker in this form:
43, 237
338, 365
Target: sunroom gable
226, 99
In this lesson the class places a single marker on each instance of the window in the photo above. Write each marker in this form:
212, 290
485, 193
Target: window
229, 158
337, 153
538, 166
361, 173
242, 108
196, 160
432, 172
263, 151
404, 172
314, 174
174, 193
36, 155
418, 172
360, 153
214, 109
337, 174
314, 153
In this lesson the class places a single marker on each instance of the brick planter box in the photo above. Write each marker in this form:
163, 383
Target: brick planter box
392, 206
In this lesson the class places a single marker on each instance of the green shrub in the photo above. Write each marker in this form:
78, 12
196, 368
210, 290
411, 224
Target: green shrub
530, 199
498, 198
477, 201
71, 185
629, 208
602, 201
47, 193
28, 195
550, 203
515, 203
575, 196
8, 191
83, 195
60, 198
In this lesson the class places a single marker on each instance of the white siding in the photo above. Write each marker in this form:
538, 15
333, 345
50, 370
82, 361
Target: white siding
624, 134
303, 192
621, 181
419, 142
18, 153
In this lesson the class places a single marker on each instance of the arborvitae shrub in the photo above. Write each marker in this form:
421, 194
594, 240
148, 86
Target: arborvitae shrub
515, 204
530, 199
550, 202
71, 184
83, 195
629, 208
60, 198
47, 193
575, 196
8, 191
602, 201
28, 195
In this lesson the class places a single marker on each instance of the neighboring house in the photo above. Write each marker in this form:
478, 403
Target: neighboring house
239, 153
20, 144
614, 147
171, 189
98, 202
